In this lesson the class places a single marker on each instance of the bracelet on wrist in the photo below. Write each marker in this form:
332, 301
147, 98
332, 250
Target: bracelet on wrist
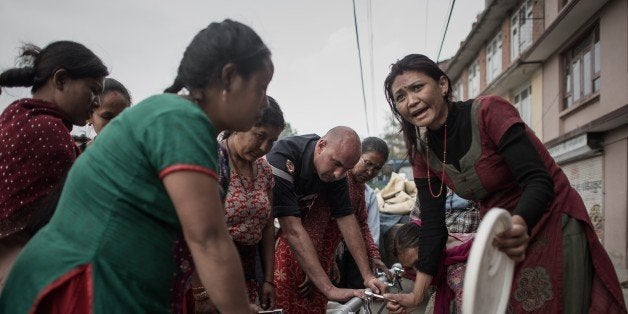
201, 296
198, 289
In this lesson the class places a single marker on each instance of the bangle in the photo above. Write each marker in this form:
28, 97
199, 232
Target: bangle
202, 296
270, 283
198, 289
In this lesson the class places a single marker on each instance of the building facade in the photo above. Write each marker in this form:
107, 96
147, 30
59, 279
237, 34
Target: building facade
564, 65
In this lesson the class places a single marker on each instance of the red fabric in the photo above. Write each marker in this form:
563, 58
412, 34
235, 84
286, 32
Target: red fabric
36, 152
247, 255
537, 285
325, 235
248, 208
195, 168
358, 200
444, 293
71, 293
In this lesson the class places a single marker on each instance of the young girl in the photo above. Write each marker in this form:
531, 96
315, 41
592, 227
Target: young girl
452, 265
115, 98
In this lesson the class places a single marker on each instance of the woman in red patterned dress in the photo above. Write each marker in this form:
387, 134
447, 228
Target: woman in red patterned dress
248, 204
483, 151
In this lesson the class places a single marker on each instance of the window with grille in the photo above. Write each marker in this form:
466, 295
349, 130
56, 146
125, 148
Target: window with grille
458, 91
474, 79
523, 104
521, 29
581, 69
494, 58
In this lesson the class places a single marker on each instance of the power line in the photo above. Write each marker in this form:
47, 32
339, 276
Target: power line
451, 9
357, 39
369, 17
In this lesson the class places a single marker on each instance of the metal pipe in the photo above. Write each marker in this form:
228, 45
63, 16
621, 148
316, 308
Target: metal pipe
355, 303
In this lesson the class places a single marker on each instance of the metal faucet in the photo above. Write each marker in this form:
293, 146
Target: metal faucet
353, 305
367, 301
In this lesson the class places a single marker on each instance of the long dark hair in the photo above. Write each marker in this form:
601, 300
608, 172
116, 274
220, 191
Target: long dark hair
406, 237
271, 115
41, 64
213, 48
375, 144
112, 85
418, 63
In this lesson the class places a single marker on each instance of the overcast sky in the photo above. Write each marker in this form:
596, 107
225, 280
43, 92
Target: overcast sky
317, 74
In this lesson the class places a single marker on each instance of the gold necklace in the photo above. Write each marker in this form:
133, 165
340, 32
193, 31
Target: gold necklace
427, 156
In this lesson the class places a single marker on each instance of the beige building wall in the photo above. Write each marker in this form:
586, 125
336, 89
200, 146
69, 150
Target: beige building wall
614, 56
536, 101
552, 100
614, 95
616, 198
465, 84
613, 26
551, 11
505, 29
613, 67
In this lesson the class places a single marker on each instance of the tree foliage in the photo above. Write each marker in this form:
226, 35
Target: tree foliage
393, 137
288, 131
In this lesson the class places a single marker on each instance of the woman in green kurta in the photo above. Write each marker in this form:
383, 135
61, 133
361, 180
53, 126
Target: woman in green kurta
148, 178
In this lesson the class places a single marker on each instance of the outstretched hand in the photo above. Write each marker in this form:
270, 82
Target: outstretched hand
342, 295
376, 285
378, 264
254, 308
401, 302
514, 241
268, 296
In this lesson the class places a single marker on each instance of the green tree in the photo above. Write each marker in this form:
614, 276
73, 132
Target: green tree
288, 131
393, 137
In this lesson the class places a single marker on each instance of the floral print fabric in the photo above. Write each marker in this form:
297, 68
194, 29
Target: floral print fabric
247, 205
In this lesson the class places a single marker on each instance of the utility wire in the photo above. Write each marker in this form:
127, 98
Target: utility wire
369, 17
451, 9
357, 39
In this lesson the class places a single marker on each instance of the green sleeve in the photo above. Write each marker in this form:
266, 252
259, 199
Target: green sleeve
181, 139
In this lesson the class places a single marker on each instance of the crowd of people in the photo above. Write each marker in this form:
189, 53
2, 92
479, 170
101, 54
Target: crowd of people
190, 202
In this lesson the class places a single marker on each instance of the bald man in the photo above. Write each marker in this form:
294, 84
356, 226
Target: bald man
311, 201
